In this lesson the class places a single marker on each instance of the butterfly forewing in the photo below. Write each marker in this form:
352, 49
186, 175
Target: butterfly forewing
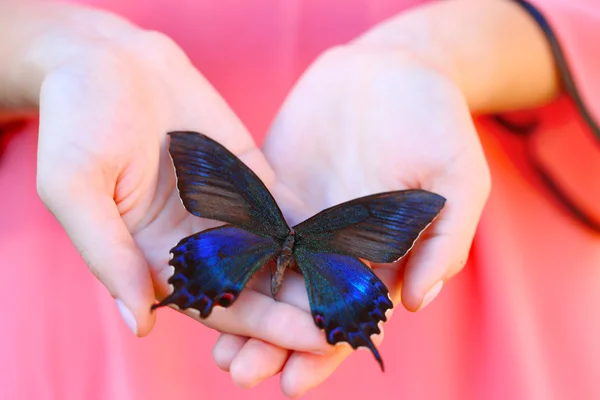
213, 183
380, 228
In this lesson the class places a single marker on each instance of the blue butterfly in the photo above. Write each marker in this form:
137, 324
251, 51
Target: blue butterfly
347, 299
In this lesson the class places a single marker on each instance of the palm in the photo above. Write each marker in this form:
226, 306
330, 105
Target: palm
103, 142
384, 123
369, 135
165, 222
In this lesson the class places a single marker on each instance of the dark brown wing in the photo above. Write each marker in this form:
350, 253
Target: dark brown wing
213, 183
380, 228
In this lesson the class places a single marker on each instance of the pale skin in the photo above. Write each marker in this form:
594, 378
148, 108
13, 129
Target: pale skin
396, 115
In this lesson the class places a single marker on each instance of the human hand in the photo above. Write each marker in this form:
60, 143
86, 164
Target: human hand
364, 120
105, 173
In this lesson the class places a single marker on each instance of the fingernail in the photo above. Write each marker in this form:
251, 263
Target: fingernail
431, 294
127, 316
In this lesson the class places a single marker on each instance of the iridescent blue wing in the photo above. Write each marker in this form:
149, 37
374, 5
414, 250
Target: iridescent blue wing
380, 228
212, 267
213, 183
347, 299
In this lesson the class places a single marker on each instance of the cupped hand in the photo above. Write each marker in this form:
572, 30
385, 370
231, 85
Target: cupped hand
364, 120
105, 173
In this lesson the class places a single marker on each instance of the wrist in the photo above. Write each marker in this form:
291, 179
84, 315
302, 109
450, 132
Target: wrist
411, 36
497, 69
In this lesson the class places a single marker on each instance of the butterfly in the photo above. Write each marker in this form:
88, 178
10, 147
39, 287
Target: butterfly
347, 300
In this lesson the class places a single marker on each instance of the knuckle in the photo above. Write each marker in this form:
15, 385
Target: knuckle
459, 263
90, 262
101, 61
458, 266
58, 180
96, 265
155, 40
337, 54
334, 52
156, 49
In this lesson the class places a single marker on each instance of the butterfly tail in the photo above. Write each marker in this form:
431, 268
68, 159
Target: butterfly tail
166, 301
363, 339
376, 354
181, 295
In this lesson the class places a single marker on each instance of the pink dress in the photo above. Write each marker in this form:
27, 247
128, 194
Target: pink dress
520, 322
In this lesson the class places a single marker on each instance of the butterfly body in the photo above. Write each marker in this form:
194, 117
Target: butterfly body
284, 260
347, 300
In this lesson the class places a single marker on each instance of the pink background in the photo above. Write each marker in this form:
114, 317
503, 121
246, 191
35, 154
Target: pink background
520, 322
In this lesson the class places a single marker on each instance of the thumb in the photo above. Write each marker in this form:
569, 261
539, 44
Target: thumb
93, 223
444, 248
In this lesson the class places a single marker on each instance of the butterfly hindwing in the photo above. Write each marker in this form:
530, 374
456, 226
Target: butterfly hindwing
213, 183
212, 267
380, 228
347, 299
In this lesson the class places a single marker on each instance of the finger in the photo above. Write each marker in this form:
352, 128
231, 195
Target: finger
226, 348
391, 276
304, 371
292, 291
76, 181
285, 322
256, 362
93, 223
443, 249
256, 315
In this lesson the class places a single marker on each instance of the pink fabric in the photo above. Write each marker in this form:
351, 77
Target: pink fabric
520, 322
567, 148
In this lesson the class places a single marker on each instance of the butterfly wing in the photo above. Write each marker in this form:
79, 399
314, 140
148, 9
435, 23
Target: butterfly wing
380, 228
213, 183
212, 267
347, 299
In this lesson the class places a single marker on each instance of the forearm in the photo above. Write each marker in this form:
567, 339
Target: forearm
36, 38
492, 49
